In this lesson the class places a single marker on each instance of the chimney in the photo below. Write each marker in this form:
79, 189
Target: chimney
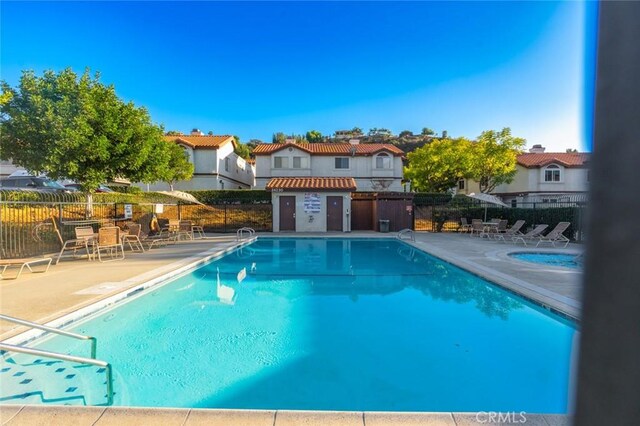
196, 132
354, 141
537, 149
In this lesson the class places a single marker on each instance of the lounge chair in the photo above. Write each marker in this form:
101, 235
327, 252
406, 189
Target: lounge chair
511, 232
556, 235
494, 230
83, 241
197, 231
185, 229
464, 225
133, 237
24, 263
109, 239
533, 234
476, 227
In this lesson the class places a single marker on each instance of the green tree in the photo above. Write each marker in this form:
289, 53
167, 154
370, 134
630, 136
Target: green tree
439, 165
279, 137
357, 131
493, 158
405, 133
242, 150
571, 150
314, 136
173, 133
177, 167
427, 132
75, 127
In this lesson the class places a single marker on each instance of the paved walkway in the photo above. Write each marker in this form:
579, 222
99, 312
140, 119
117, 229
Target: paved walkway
16, 415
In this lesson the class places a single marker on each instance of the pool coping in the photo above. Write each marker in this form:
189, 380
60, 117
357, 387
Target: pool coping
102, 304
122, 416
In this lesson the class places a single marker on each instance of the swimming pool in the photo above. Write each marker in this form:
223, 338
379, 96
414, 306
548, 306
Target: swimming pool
552, 259
325, 324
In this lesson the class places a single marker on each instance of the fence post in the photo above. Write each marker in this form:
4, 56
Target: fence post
225, 218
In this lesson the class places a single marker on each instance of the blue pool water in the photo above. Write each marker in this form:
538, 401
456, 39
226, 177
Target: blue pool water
327, 324
552, 259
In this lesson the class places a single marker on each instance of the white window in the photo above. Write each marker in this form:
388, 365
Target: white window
300, 162
226, 164
552, 173
383, 161
280, 162
342, 162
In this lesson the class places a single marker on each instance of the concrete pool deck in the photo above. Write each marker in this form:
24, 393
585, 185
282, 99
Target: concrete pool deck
73, 285
16, 415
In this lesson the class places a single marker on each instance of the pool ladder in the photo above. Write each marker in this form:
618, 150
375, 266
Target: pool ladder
5, 347
245, 230
406, 233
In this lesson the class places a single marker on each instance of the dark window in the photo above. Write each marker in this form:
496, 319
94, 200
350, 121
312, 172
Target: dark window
342, 162
461, 184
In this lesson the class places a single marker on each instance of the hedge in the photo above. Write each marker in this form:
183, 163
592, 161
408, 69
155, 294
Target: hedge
232, 196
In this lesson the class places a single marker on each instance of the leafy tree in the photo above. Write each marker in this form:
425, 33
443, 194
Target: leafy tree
439, 165
279, 137
210, 133
241, 150
177, 167
427, 132
571, 150
75, 127
493, 158
405, 133
173, 133
379, 132
357, 131
314, 136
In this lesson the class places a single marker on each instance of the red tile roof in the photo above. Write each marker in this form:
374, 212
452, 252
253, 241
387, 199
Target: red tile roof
304, 183
362, 149
204, 141
567, 159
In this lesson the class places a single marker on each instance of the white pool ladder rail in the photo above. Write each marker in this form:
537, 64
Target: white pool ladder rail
406, 234
240, 233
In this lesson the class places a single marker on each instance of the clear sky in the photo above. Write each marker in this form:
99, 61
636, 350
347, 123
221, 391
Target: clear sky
252, 69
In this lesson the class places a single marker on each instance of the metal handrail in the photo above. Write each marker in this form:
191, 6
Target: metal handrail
407, 231
93, 340
240, 232
80, 360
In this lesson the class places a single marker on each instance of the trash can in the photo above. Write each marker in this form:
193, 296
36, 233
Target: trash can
384, 225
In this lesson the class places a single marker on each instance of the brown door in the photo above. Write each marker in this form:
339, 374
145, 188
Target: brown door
334, 214
288, 213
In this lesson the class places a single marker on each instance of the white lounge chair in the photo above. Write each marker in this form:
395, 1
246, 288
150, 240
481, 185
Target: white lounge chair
514, 231
24, 263
556, 235
535, 233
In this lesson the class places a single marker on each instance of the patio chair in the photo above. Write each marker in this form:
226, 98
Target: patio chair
133, 237
185, 229
476, 227
556, 235
511, 232
500, 227
197, 231
24, 263
84, 240
533, 234
464, 225
152, 240
109, 239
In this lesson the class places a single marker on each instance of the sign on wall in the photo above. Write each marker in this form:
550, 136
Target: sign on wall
311, 202
128, 211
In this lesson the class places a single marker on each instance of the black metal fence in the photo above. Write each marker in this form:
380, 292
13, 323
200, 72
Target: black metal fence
444, 215
27, 218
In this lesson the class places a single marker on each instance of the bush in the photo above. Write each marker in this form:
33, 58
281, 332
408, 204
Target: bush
233, 196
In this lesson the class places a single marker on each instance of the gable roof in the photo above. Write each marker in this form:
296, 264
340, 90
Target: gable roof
567, 159
362, 149
315, 183
201, 141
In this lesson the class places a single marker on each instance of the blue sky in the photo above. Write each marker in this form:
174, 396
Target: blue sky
252, 69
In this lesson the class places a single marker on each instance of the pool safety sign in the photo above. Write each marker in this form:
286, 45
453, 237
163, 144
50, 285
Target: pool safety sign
311, 202
128, 211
